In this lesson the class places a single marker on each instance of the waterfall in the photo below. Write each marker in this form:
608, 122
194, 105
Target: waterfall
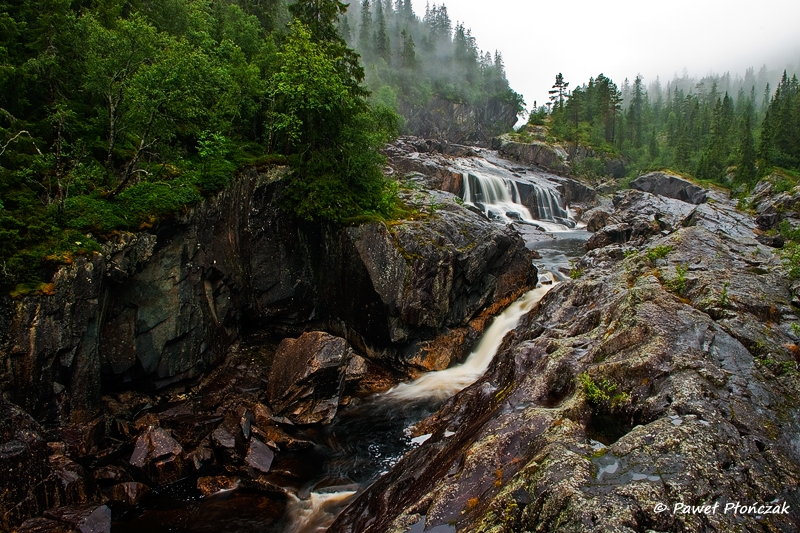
508, 197
499, 198
445, 383
318, 511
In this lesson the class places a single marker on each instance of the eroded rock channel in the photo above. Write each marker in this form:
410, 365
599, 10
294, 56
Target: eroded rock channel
487, 365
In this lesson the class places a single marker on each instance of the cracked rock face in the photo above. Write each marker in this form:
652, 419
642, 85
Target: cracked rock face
667, 377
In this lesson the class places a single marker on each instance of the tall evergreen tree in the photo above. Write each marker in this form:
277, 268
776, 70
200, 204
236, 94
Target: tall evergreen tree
746, 162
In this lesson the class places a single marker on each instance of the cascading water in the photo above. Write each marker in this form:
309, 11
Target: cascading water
385, 416
445, 383
503, 196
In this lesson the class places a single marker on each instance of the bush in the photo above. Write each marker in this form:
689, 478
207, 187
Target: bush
91, 213
147, 200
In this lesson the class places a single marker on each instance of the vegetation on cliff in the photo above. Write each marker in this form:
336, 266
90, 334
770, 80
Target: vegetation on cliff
114, 115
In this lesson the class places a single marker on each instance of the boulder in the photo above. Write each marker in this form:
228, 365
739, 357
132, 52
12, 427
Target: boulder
24, 463
158, 455
670, 186
129, 493
213, 484
83, 519
596, 219
259, 456
306, 378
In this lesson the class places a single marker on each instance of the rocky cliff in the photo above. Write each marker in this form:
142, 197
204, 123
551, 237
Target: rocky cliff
444, 119
162, 307
665, 375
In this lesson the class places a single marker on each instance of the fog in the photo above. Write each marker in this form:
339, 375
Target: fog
621, 38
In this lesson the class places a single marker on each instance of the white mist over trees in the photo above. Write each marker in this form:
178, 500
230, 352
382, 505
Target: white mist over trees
722, 128
409, 60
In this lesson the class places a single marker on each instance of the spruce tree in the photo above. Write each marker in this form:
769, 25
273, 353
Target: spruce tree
746, 164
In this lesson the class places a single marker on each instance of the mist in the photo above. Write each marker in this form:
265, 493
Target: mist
623, 38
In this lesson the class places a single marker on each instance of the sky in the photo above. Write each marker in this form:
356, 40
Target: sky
623, 38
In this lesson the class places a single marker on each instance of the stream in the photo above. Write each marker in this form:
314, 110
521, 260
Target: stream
371, 434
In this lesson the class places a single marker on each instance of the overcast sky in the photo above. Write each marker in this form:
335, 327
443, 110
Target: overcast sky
620, 38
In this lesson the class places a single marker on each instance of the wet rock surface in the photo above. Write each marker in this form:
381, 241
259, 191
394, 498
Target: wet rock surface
666, 373
670, 186
306, 381
458, 122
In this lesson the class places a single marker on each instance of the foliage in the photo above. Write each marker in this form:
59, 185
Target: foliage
678, 283
658, 252
417, 60
706, 128
597, 392
116, 115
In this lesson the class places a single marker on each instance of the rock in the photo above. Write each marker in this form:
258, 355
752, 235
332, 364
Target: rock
83, 519
159, 456
44, 525
259, 456
191, 429
670, 186
24, 463
200, 457
129, 493
214, 484
111, 474
306, 379
646, 380
71, 483
596, 219
611, 234
540, 154
458, 122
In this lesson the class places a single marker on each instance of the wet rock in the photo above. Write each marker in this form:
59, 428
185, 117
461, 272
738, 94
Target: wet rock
645, 381
596, 219
83, 519
24, 463
191, 429
305, 382
129, 493
201, 456
671, 186
111, 474
611, 234
259, 456
537, 153
159, 456
70, 483
45, 525
213, 484
226, 442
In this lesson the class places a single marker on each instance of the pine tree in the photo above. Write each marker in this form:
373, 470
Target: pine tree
558, 92
365, 39
381, 37
408, 56
746, 164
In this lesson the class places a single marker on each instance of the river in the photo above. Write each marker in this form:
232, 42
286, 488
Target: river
372, 433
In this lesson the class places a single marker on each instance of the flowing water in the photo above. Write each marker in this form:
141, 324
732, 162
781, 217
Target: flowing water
445, 383
369, 436
507, 196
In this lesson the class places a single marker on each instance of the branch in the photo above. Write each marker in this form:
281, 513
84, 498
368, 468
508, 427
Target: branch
15, 137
